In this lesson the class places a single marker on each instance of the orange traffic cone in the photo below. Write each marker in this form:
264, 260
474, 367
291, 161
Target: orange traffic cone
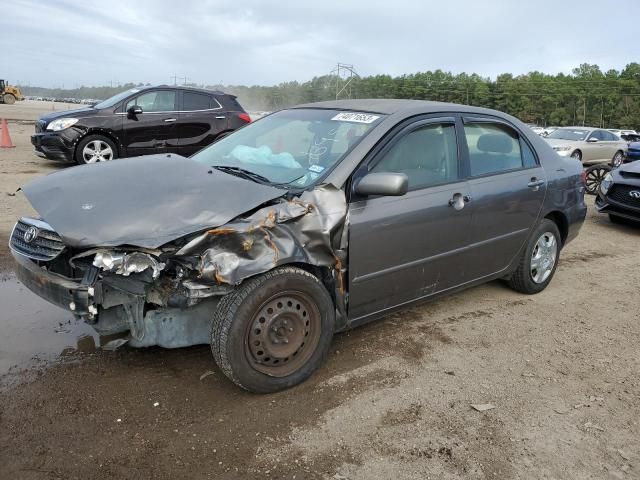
5, 138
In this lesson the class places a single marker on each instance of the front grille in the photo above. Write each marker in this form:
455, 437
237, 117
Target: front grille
41, 126
620, 194
41, 242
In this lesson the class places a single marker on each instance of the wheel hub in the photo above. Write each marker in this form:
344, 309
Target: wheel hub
543, 257
279, 333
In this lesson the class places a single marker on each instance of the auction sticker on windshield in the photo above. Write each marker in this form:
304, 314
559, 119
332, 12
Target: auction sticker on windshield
355, 117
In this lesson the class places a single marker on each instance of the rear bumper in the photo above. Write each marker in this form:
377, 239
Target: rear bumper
56, 289
56, 145
575, 219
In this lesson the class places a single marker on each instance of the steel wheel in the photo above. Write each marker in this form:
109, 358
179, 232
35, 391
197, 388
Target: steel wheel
617, 160
543, 257
97, 151
594, 177
283, 334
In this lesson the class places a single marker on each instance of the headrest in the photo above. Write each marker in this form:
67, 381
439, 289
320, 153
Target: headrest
495, 143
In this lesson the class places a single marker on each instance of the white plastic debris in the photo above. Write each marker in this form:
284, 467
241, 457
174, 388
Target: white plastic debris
206, 374
156, 404
482, 407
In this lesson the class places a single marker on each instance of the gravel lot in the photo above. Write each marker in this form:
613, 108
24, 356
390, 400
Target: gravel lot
393, 401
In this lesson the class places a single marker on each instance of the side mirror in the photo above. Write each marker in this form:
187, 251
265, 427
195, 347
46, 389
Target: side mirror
134, 110
592, 140
383, 183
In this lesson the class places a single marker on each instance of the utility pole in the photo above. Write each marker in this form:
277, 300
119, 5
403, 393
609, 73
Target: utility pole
584, 110
175, 79
343, 75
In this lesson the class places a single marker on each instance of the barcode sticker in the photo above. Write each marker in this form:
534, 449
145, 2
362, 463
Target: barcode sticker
356, 117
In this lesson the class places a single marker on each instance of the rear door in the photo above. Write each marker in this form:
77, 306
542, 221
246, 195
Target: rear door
400, 247
507, 188
200, 121
154, 130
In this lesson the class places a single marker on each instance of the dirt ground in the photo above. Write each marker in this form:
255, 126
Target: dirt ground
561, 368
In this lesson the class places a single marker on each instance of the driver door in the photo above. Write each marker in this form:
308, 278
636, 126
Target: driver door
400, 248
155, 129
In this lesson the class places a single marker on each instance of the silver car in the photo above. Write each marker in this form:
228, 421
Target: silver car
589, 145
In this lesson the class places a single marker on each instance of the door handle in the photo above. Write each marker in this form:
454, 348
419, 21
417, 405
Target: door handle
458, 201
170, 120
535, 183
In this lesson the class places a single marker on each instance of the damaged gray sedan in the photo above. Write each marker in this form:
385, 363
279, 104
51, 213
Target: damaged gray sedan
307, 222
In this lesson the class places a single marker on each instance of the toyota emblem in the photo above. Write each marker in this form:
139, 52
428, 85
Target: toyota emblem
634, 194
31, 234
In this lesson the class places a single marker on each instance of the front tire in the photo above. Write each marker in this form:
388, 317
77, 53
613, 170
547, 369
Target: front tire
274, 330
94, 149
9, 99
538, 260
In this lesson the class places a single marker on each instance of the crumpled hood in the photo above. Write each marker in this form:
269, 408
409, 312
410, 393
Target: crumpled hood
141, 201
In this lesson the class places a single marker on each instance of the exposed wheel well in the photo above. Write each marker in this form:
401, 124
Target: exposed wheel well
561, 221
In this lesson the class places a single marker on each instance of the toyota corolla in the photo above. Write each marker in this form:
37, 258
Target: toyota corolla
310, 221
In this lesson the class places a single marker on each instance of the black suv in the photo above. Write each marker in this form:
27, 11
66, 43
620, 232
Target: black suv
140, 121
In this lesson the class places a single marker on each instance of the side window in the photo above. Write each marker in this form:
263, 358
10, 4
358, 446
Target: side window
195, 101
158, 101
610, 137
428, 156
493, 148
597, 134
528, 158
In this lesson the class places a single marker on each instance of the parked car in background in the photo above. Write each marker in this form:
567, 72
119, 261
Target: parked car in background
633, 147
313, 220
537, 130
548, 130
589, 145
619, 194
619, 133
140, 121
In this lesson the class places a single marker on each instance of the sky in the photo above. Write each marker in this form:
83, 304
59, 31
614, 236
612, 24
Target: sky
68, 43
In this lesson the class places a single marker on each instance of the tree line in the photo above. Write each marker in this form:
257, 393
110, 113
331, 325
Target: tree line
587, 96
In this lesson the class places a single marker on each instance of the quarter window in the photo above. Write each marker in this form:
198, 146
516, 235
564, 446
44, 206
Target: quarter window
157, 101
428, 156
196, 101
493, 148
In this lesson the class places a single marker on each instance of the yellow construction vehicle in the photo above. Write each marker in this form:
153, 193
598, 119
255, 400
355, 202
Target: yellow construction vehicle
9, 94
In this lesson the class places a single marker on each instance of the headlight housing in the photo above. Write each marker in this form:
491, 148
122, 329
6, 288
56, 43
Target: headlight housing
562, 149
61, 124
127, 263
606, 183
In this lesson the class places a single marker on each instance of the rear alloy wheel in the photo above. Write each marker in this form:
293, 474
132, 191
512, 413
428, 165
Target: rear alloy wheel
274, 330
617, 159
538, 260
94, 149
577, 155
594, 176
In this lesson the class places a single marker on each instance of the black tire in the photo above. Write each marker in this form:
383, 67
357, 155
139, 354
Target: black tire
618, 159
522, 279
577, 155
594, 176
80, 158
234, 323
9, 99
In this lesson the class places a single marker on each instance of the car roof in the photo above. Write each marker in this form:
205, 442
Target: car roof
578, 127
190, 89
391, 106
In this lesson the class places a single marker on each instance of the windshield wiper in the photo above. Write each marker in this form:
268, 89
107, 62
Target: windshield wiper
242, 173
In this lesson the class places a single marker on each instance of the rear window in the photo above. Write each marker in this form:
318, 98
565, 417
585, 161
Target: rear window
196, 101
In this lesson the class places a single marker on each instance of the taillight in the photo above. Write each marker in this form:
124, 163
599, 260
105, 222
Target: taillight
244, 117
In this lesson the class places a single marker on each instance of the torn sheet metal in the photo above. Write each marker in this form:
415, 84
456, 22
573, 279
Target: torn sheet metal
307, 229
143, 201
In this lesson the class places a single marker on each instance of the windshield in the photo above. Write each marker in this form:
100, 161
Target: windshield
292, 148
110, 102
569, 134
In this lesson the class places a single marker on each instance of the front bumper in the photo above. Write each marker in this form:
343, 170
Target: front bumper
56, 145
61, 291
606, 205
